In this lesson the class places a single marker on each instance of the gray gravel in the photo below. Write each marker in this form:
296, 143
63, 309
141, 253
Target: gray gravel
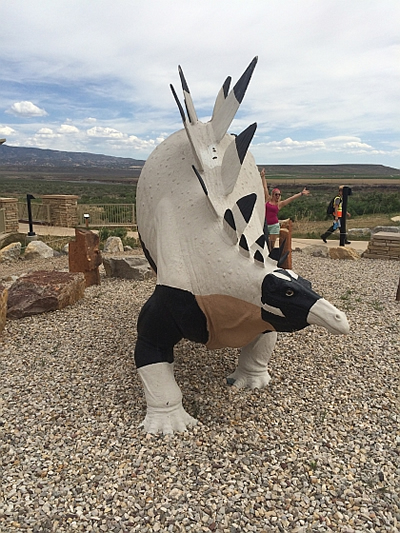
318, 450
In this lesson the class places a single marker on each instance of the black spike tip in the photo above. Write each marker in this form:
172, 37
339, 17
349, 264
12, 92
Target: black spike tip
243, 141
185, 86
242, 84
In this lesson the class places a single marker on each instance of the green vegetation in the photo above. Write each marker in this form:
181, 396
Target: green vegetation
89, 192
366, 200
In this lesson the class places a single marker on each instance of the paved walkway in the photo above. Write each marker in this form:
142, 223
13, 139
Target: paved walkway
360, 246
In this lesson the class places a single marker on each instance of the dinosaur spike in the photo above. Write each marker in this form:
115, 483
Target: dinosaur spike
243, 243
178, 104
241, 86
234, 157
191, 112
244, 247
261, 241
258, 256
225, 112
243, 141
246, 205
230, 227
221, 97
282, 259
200, 180
228, 217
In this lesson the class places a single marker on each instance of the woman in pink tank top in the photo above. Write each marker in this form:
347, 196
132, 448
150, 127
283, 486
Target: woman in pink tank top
273, 204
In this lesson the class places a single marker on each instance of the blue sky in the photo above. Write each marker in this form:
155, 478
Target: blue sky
93, 76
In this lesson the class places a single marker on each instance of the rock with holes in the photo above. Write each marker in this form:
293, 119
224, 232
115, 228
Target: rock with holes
200, 213
43, 291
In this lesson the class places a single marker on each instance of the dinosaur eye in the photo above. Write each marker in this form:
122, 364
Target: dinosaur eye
289, 292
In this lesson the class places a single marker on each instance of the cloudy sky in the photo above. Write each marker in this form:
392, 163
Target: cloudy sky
94, 75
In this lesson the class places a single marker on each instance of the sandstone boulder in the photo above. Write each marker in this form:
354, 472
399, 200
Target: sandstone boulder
316, 250
10, 253
344, 253
84, 255
44, 291
128, 267
38, 250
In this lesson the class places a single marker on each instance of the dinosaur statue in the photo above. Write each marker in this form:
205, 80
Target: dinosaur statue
200, 213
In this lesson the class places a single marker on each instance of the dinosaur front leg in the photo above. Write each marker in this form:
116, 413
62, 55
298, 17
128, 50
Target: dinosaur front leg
165, 412
252, 370
166, 317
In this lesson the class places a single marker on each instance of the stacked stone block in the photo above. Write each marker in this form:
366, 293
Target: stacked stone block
63, 209
384, 245
10, 205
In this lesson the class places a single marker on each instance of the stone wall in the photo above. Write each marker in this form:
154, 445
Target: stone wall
63, 209
384, 245
10, 205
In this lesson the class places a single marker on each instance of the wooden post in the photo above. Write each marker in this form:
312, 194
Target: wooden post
285, 236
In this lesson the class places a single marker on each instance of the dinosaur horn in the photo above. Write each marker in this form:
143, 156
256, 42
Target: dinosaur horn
190, 129
221, 97
225, 111
234, 157
188, 98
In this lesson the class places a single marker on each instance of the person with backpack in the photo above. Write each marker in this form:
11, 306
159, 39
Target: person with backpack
273, 204
335, 209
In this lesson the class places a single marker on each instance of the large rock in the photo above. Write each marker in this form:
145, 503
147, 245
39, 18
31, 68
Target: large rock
316, 250
44, 291
113, 245
134, 267
344, 253
38, 250
393, 229
10, 253
3, 307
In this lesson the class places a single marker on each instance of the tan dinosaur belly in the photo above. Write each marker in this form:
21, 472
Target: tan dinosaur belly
231, 322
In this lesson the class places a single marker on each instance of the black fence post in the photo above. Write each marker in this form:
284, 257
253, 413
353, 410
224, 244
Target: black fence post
30, 197
343, 232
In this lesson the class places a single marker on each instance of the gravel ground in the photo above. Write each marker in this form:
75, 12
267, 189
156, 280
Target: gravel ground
318, 450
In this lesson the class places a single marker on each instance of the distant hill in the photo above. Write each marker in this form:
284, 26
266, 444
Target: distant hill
36, 157
321, 171
57, 162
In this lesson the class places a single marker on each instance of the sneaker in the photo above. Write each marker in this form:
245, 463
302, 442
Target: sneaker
324, 239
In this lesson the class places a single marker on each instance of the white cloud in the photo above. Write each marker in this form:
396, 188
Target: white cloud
47, 132
6, 130
26, 109
67, 128
109, 133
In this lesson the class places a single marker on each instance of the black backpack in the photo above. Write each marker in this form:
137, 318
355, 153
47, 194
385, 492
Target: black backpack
331, 207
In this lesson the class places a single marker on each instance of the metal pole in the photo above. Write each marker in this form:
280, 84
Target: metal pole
343, 232
30, 197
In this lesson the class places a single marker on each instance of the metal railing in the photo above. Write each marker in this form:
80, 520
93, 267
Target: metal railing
40, 212
107, 214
